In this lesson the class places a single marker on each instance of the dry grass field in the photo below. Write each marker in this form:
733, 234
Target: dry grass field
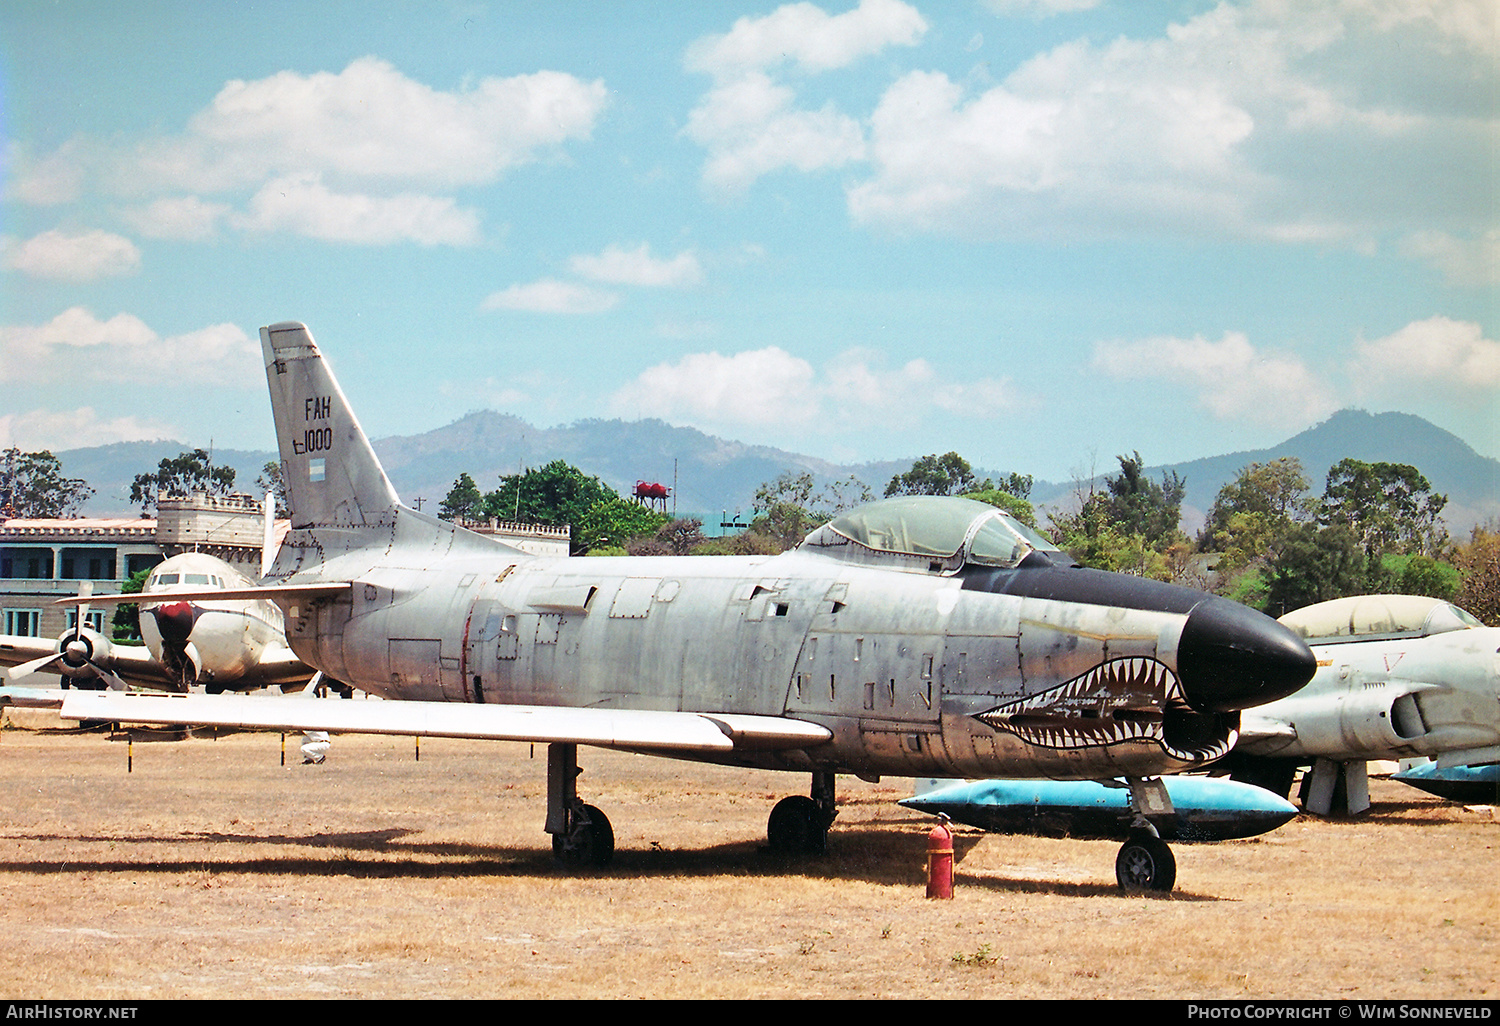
210, 870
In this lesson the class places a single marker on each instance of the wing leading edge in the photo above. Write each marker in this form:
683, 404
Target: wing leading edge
629, 730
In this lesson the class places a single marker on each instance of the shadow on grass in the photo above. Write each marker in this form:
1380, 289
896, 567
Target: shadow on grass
877, 855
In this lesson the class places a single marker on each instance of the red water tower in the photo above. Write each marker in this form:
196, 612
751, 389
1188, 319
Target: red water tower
650, 493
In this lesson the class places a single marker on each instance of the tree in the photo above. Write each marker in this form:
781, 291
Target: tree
270, 480
1418, 575
1255, 509
1018, 485
1315, 565
1388, 506
1478, 563
611, 522
789, 507
187, 473
948, 474
1127, 527
557, 494
1007, 501
464, 502
1136, 505
32, 486
675, 538
126, 624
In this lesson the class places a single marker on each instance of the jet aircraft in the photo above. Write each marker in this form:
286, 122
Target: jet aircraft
1399, 676
915, 636
233, 644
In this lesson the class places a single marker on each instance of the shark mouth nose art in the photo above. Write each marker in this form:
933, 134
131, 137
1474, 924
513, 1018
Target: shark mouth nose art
1119, 701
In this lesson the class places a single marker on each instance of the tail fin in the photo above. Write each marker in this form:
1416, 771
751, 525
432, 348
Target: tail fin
332, 476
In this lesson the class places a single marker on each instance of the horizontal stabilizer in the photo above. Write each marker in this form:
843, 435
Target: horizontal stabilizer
632, 730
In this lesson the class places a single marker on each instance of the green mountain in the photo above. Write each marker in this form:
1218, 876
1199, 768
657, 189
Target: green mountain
715, 474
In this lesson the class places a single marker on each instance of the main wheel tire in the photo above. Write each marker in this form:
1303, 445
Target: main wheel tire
1145, 864
589, 842
796, 827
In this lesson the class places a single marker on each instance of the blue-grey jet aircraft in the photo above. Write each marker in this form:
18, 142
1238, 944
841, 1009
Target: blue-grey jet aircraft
915, 637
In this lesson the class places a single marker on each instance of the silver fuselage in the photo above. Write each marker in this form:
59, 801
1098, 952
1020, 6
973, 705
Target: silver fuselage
898, 665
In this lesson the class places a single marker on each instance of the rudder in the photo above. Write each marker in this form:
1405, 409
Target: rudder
332, 476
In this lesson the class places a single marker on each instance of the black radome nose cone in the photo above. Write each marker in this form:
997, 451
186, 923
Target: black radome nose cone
1231, 657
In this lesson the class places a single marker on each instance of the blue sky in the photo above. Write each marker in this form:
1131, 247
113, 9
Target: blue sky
1039, 232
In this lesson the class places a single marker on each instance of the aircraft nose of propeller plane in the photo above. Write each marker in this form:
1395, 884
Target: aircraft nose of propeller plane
1231, 657
175, 621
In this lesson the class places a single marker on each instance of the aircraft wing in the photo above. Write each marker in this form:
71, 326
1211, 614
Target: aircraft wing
1263, 735
270, 592
131, 662
626, 729
276, 666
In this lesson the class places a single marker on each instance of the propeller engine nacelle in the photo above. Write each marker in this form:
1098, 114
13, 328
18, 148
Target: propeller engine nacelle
84, 653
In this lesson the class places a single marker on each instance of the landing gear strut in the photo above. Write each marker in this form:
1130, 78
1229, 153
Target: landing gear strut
581, 834
1145, 863
799, 824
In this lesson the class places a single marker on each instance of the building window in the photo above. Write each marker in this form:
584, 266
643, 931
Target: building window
25, 623
95, 621
31, 564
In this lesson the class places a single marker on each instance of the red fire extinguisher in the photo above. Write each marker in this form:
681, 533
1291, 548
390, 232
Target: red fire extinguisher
940, 860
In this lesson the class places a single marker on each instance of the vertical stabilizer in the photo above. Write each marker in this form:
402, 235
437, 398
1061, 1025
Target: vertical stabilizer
333, 479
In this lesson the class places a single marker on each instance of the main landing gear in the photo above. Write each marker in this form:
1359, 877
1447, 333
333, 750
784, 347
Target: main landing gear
799, 824
1145, 863
581, 834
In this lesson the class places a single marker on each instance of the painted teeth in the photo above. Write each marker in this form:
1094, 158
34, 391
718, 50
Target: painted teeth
1085, 712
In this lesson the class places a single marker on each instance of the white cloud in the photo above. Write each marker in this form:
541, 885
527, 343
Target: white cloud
551, 296
372, 123
366, 155
77, 346
1230, 378
76, 429
620, 266
302, 204
1471, 261
1040, 8
181, 217
768, 388
87, 256
46, 181
807, 36
1261, 119
760, 387
750, 127
1451, 357
751, 124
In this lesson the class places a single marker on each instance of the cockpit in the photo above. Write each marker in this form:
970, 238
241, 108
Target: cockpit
1372, 617
931, 534
195, 580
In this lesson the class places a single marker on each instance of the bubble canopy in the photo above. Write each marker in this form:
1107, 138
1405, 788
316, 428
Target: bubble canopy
929, 533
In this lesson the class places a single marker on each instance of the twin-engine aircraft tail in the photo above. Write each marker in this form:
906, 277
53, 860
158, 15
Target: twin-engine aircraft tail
332, 476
